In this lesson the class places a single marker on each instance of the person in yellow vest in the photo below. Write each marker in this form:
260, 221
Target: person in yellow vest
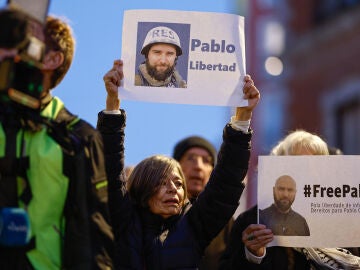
53, 197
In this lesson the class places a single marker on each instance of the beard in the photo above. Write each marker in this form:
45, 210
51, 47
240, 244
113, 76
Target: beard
283, 205
159, 75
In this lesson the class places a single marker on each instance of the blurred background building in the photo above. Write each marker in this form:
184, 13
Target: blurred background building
305, 58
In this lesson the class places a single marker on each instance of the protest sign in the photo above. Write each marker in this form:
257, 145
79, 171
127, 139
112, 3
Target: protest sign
208, 49
327, 199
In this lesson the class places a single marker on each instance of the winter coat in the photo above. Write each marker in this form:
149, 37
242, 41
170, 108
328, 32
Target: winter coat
147, 241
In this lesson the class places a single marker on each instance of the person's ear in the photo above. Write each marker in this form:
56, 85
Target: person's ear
53, 60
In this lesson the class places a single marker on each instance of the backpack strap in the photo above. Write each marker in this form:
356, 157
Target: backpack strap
85, 243
8, 170
60, 130
12, 167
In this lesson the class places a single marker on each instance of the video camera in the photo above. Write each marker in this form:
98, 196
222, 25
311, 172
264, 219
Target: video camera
21, 77
21, 84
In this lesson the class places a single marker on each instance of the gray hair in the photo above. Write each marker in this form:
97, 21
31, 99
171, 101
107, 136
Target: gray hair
300, 139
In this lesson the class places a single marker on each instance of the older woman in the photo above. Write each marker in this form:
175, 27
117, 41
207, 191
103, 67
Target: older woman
154, 224
247, 246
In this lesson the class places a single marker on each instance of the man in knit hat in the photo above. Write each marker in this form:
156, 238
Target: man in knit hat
197, 158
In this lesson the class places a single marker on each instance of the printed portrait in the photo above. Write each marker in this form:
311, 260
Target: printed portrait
280, 217
162, 54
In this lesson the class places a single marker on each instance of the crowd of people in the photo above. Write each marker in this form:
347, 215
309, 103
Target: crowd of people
74, 204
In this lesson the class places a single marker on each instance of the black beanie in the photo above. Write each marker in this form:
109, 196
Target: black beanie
193, 141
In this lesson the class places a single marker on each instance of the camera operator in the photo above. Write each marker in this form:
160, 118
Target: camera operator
53, 200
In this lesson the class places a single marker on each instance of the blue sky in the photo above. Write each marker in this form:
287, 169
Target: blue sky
152, 128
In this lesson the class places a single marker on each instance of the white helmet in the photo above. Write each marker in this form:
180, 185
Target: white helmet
161, 34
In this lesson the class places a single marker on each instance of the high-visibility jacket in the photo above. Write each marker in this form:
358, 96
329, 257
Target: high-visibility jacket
61, 182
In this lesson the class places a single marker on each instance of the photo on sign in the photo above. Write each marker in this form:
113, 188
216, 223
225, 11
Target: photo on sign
162, 54
280, 216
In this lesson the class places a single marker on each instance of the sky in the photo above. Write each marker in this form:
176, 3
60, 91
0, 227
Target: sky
152, 128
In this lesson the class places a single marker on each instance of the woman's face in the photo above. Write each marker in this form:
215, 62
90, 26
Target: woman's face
169, 199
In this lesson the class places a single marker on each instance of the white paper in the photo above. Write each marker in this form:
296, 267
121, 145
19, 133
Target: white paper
328, 197
207, 40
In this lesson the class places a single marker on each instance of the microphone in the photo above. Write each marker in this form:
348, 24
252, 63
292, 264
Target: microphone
14, 227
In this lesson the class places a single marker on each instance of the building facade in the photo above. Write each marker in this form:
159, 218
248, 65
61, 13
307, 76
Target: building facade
303, 56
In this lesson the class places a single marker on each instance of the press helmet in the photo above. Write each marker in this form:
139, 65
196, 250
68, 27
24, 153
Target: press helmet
161, 34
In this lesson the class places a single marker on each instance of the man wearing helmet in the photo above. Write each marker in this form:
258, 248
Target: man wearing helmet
161, 49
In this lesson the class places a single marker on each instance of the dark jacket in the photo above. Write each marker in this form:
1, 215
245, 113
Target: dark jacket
290, 223
213, 252
145, 240
277, 258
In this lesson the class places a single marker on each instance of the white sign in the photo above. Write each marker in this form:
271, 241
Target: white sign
210, 52
327, 197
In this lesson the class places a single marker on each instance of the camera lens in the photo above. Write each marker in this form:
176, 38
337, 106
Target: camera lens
16, 29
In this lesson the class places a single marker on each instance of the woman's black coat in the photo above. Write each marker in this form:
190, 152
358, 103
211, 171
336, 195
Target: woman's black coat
147, 241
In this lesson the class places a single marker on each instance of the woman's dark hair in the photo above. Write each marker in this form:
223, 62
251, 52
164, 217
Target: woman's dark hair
148, 176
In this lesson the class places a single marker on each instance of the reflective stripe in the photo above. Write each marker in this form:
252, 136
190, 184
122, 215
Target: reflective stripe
101, 184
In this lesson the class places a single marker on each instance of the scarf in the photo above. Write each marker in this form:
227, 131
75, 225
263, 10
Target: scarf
331, 258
